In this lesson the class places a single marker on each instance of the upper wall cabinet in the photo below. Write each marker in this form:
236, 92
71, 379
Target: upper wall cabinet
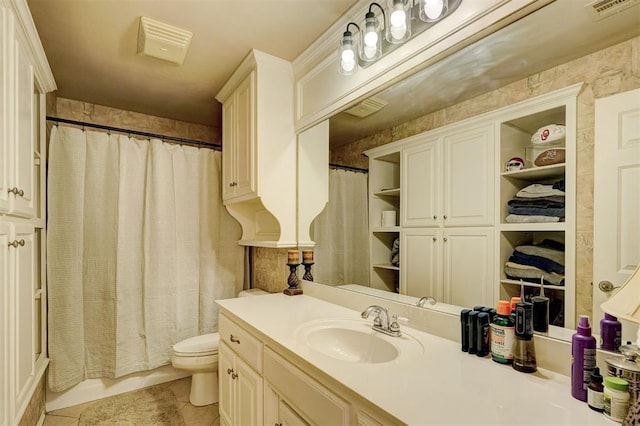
259, 150
321, 90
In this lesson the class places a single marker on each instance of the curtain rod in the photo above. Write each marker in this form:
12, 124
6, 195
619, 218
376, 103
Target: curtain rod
200, 144
353, 169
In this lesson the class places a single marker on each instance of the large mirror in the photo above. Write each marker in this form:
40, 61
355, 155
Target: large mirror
557, 46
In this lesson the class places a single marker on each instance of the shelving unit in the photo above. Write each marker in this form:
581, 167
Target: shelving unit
384, 194
516, 127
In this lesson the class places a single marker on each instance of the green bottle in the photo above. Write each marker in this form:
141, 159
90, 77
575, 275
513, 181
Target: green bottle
502, 334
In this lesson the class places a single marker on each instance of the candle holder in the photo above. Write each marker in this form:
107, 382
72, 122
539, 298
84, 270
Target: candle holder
307, 271
293, 288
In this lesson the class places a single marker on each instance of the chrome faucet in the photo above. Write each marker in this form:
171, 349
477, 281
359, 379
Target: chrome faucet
381, 321
423, 299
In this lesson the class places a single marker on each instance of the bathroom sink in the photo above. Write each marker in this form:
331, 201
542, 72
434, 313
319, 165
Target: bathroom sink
354, 341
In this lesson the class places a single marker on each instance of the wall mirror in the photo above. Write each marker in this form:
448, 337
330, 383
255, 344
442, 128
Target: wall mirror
522, 49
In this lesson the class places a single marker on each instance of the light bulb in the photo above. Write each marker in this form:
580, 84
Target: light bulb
347, 59
433, 8
397, 22
348, 55
371, 38
369, 51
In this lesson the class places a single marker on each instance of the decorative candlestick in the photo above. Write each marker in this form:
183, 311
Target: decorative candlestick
293, 261
307, 261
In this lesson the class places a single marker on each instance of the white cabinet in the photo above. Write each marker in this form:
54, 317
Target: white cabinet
453, 265
278, 412
238, 177
239, 371
448, 179
240, 390
24, 77
259, 150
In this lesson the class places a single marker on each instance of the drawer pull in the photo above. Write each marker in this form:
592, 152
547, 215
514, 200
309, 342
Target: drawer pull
233, 339
15, 191
16, 243
229, 370
435, 217
234, 376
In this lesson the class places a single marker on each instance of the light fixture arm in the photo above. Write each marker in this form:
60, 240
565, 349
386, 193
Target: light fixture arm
384, 15
349, 33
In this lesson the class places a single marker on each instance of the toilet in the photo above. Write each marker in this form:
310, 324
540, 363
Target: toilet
199, 356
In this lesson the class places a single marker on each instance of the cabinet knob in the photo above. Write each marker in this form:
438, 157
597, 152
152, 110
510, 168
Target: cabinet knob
233, 184
233, 339
444, 239
234, 376
16, 243
445, 217
435, 217
435, 239
229, 370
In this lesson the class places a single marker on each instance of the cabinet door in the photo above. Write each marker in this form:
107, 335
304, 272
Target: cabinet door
421, 185
420, 263
225, 383
5, 117
469, 177
24, 316
228, 148
288, 417
4, 327
24, 137
468, 266
249, 394
245, 137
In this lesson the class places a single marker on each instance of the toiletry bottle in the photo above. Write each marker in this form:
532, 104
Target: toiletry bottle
615, 398
464, 329
524, 351
595, 391
502, 334
540, 310
610, 333
473, 324
583, 358
482, 335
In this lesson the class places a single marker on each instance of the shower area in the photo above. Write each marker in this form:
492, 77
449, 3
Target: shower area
139, 248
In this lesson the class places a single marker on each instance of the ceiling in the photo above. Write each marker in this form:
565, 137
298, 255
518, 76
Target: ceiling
91, 47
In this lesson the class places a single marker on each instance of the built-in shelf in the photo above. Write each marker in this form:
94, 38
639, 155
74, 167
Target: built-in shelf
530, 227
386, 229
528, 284
392, 192
386, 266
537, 173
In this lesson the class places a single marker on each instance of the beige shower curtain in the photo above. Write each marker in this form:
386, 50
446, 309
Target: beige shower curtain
139, 248
341, 231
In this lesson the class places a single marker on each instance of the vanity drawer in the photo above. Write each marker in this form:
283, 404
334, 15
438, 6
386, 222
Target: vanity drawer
305, 394
241, 342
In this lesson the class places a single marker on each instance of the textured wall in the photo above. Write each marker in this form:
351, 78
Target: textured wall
35, 409
98, 114
604, 73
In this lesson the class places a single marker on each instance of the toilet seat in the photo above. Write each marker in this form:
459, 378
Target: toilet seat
205, 344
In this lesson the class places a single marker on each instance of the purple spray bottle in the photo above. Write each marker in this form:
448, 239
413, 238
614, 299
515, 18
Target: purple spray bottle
583, 358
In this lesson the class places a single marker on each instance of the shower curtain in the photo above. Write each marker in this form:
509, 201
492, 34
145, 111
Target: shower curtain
341, 231
139, 248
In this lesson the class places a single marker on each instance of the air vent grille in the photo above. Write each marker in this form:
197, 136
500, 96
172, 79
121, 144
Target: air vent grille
601, 9
366, 107
163, 41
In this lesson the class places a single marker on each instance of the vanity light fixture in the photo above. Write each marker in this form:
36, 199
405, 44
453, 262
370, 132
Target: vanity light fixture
371, 49
399, 22
348, 58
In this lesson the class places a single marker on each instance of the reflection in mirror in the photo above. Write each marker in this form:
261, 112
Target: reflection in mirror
519, 62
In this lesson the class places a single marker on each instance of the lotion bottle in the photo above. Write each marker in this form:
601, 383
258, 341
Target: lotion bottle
583, 358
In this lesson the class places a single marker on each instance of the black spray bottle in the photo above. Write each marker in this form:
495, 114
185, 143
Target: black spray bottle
524, 351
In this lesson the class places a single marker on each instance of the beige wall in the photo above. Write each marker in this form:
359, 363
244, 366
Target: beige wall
35, 409
607, 72
98, 114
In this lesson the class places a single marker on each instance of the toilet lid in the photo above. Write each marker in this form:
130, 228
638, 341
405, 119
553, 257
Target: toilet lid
205, 344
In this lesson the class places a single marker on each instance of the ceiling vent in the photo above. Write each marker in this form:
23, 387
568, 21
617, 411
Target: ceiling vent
601, 9
366, 107
163, 41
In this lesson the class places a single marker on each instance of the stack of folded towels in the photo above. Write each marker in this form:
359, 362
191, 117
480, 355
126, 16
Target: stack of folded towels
532, 262
537, 203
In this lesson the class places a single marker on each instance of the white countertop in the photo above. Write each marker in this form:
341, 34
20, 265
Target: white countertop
442, 386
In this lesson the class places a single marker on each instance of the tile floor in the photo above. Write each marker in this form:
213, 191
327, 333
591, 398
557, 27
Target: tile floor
193, 416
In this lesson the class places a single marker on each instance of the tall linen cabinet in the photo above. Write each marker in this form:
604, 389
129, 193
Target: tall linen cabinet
25, 77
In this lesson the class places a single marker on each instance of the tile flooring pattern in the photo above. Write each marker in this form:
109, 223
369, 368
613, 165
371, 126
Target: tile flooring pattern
193, 416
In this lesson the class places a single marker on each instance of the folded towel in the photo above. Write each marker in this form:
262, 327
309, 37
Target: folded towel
545, 264
536, 211
516, 271
522, 218
536, 190
555, 202
541, 251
